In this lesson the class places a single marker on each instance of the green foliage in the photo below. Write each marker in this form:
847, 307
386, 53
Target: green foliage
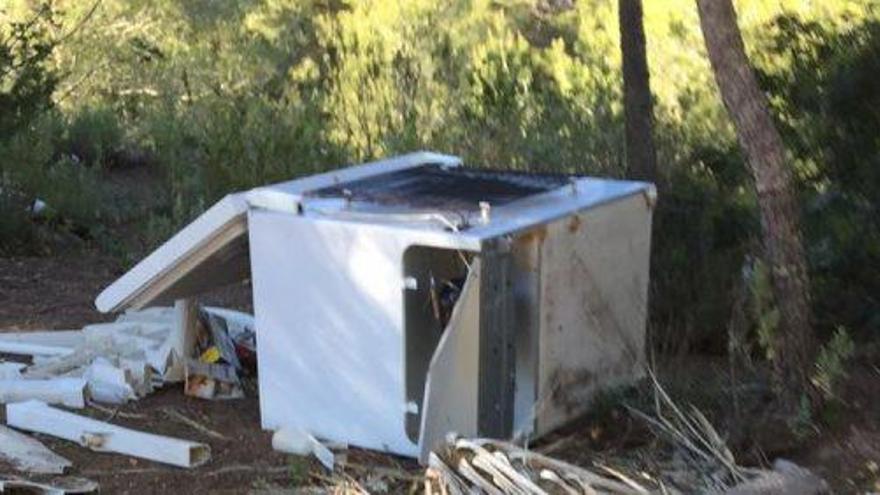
26, 81
803, 423
298, 470
26, 85
93, 135
229, 94
41, 153
827, 101
829, 372
831, 362
764, 310
704, 225
32, 170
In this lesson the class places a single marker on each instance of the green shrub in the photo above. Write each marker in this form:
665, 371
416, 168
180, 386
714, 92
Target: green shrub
26, 84
827, 101
831, 362
33, 170
93, 135
26, 79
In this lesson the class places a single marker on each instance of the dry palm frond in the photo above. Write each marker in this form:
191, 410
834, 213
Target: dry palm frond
692, 432
501, 468
467, 466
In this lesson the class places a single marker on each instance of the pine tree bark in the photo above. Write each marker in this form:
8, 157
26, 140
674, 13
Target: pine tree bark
794, 342
641, 157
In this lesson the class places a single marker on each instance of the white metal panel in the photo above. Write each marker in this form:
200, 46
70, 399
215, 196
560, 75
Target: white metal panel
228, 216
451, 391
594, 290
516, 216
584, 193
328, 302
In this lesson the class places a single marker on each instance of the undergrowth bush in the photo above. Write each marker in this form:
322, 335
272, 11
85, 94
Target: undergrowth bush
93, 135
26, 86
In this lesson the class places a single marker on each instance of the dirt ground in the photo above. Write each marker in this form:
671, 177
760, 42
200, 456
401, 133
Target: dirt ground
57, 292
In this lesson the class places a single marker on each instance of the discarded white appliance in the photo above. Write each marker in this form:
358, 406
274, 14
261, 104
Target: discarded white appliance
400, 300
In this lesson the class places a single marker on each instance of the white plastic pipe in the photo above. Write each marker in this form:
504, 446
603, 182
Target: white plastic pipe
49, 343
63, 391
104, 437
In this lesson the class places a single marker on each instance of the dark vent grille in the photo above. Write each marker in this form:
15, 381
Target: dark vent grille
437, 187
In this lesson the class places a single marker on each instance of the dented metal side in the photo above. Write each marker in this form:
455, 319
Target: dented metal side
593, 306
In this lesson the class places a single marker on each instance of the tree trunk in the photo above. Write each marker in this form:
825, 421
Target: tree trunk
641, 158
794, 342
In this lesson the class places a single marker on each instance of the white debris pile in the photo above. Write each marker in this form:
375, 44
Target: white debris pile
115, 363
107, 362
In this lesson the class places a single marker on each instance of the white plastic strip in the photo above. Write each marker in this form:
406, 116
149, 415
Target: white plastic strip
104, 437
27, 454
48, 343
63, 391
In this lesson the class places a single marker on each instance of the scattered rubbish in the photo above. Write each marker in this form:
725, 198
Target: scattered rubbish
107, 383
115, 412
120, 361
299, 442
241, 326
37, 207
241, 329
221, 341
61, 391
104, 437
66, 485
114, 363
60, 365
212, 381
225, 338
211, 355
148, 341
26, 454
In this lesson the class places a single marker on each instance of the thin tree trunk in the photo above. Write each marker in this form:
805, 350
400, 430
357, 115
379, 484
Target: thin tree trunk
794, 342
641, 158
